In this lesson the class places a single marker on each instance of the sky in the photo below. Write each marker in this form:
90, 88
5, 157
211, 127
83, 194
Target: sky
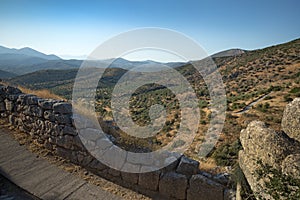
76, 28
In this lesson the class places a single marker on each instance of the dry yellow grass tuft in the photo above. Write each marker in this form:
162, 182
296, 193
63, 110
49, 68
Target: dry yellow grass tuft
46, 94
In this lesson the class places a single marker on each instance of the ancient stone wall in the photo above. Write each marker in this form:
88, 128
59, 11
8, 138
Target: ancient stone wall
273, 153
51, 123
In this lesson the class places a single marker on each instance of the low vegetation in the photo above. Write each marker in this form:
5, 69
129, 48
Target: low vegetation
273, 71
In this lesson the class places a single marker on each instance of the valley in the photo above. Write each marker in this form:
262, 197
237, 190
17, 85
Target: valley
272, 73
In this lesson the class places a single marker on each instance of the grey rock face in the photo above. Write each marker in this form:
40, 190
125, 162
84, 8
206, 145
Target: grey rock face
291, 166
265, 144
266, 147
291, 119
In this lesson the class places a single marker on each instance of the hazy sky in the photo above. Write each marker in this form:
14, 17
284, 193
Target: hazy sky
78, 27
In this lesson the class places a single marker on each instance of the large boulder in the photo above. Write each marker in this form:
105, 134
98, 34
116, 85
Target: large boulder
267, 154
291, 119
265, 144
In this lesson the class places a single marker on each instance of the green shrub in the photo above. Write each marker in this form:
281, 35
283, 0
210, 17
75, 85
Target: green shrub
295, 90
227, 154
263, 107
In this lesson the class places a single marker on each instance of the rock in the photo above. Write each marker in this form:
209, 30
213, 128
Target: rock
32, 100
63, 119
68, 130
63, 153
12, 119
222, 178
36, 111
62, 108
2, 107
65, 141
13, 97
9, 105
114, 172
173, 185
265, 144
12, 90
48, 145
291, 166
131, 178
188, 166
149, 180
46, 104
49, 115
291, 119
266, 147
201, 188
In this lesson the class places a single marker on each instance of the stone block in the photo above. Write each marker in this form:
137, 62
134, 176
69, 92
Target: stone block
202, 188
63, 119
187, 166
46, 104
62, 108
68, 130
9, 105
114, 172
32, 100
2, 107
173, 185
149, 180
131, 178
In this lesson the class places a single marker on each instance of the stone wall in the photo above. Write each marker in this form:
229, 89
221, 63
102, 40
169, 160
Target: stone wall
51, 123
263, 146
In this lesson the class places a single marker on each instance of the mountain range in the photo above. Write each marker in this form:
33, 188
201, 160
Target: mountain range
14, 62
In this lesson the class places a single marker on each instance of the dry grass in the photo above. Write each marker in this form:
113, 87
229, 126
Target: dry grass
46, 94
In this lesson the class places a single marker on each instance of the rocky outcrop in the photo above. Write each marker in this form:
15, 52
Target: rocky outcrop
267, 153
51, 123
291, 120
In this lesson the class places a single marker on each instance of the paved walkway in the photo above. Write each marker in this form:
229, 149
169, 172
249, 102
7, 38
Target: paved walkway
42, 179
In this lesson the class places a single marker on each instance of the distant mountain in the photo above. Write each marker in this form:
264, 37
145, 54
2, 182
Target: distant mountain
26, 60
127, 64
228, 53
28, 52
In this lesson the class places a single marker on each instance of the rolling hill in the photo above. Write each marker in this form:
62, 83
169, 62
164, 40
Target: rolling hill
272, 72
6, 75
